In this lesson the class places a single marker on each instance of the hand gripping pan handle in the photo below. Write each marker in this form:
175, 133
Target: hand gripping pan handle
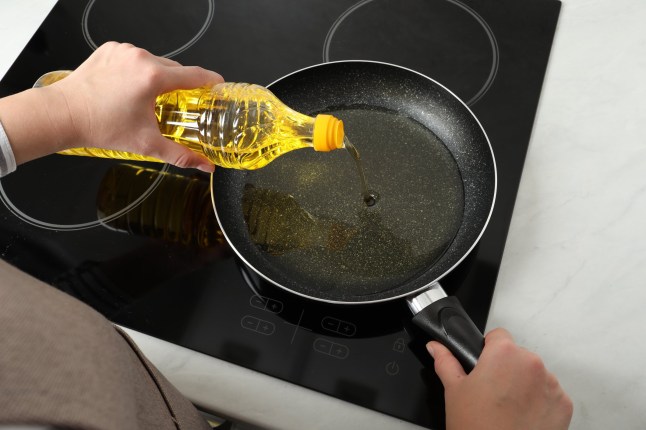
446, 321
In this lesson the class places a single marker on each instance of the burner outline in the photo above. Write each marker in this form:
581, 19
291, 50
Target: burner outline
198, 36
80, 226
492, 40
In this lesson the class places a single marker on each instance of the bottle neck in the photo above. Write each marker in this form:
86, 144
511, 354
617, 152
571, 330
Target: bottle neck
307, 131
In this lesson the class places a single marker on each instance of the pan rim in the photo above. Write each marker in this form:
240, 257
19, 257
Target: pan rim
418, 290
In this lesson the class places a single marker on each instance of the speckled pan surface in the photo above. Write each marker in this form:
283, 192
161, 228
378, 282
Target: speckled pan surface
372, 85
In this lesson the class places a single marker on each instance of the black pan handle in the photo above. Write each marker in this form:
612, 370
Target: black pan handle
446, 321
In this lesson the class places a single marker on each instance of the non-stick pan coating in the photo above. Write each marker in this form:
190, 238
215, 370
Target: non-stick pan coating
332, 86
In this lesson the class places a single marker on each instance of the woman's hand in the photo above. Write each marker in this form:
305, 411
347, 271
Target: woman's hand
107, 102
509, 389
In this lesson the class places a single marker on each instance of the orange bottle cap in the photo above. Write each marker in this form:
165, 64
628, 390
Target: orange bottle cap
328, 133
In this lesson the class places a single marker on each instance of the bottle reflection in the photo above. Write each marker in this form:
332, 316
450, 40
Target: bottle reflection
278, 224
177, 215
178, 211
363, 249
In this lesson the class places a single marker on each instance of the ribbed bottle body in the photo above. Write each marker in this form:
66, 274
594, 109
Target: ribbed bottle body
178, 210
235, 125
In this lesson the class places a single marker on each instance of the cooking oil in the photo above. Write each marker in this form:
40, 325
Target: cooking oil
369, 197
278, 224
418, 214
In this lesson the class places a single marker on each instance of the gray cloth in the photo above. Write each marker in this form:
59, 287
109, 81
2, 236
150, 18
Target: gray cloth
62, 364
7, 159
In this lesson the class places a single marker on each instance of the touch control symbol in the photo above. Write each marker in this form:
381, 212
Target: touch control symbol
399, 345
330, 348
392, 368
266, 304
258, 325
339, 326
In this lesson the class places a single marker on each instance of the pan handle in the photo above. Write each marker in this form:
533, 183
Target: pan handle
446, 321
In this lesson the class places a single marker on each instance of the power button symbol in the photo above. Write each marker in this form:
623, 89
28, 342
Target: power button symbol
392, 368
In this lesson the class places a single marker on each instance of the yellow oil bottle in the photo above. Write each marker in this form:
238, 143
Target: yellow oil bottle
235, 125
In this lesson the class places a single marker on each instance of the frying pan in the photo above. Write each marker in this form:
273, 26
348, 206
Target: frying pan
396, 92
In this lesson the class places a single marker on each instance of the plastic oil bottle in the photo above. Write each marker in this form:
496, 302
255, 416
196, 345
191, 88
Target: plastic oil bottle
235, 125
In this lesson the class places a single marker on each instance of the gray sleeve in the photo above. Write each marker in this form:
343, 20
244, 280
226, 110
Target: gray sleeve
7, 160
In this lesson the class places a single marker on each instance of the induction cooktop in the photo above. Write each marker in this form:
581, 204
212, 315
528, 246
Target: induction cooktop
139, 241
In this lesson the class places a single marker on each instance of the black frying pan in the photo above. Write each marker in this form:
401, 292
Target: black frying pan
400, 94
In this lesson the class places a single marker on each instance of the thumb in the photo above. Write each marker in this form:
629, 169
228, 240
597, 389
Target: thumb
447, 367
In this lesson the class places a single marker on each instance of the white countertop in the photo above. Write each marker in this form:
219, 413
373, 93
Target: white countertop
572, 285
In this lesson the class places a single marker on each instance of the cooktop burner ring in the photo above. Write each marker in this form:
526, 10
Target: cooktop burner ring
100, 222
207, 22
495, 54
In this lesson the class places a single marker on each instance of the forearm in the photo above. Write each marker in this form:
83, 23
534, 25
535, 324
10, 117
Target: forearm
107, 102
37, 123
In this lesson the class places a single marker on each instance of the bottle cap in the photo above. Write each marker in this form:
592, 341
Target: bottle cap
328, 133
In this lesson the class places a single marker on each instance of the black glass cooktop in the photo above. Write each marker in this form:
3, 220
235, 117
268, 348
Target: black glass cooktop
139, 241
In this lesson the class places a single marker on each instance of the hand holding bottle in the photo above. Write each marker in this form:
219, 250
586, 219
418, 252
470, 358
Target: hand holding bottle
508, 389
235, 125
107, 102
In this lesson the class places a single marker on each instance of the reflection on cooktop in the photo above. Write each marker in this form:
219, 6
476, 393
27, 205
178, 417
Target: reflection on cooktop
59, 193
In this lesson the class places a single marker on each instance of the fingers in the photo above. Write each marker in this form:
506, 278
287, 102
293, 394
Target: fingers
497, 335
180, 156
447, 367
500, 348
125, 74
168, 62
186, 77
164, 74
